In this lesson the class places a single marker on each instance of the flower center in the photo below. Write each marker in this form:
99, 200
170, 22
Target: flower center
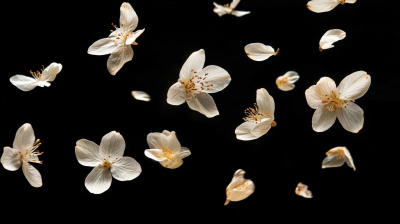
31, 152
255, 116
168, 153
196, 83
106, 164
283, 80
228, 9
332, 102
38, 75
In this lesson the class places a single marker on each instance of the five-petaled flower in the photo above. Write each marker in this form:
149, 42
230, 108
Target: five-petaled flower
336, 157
24, 152
229, 9
331, 102
118, 44
239, 188
326, 5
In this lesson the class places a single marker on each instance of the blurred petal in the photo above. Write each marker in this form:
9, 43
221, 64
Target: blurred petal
243, 132
203, 103
11, 159
118, 58
239, 13
234, 3
286, 87
323, 119
24, 138
351, 117
128, 19
112, 146
87, 153
32, 174
125, 168
194, 63
215, 80
354, 85
23, 83
102, 47
219, 11
99, 180
259, 51
322, 5
140, 95
176, 94
185, 152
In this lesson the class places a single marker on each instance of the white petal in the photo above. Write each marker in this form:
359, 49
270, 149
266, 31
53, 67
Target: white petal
262, 127
301, 190
194, 63
118, 58
125, 168
203, 103
102, 47
172, 164
155, 140
155, 154
132, 37
243, 132
349, 159
176, 94
335, 158
313, 98
87, 153
323, 119
330, 37
185, 152
351, 117
354, 85
24, 138
171, 142
23, 83
11, 159
265, 102
322, 5
112, 146
219, 11
32, 174
128, 19
239, 188
351, 1
215, 80
293, 75
234, 3
239, 13
286, 87
99, 180
259, 51
325, 86
51, 71
140, 95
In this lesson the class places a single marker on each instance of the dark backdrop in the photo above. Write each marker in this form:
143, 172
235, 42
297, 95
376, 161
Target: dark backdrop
85, 101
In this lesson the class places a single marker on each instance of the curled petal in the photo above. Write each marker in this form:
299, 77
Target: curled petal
112, 146
24, 138
262, 127
23, 83
140, 95
176, 94
239, 13
239, 188
172, 164
349, 159
314, 99
354, 85
351, 117
185, 152
128, 19
330, 37
155, 154
286, 87
51, 71
125, 168
259, 51
217, 78
265, 102
203, 103
243, 132
322, 5
335, 158
32, 174
301, 190
102, 47
11, 159
132, 37
194, 63
99, 180
87, 153
323, 119
118, 58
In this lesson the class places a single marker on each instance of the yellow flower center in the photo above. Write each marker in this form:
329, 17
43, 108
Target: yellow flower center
168, 153
332, 102
196, 83
255, 116
38, 75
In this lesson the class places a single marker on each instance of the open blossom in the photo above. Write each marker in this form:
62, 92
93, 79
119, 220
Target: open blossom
40, 78
165, 148
239, 188
326, 5
140, 95
118, 44
336, 157
258, 121
229, 9
108, 160
259, 51
331, 102
330, 37
285, 82
301, 190
24, 152
195, 83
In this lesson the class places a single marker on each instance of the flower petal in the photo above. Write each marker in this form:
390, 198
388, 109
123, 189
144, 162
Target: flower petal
132, 37
259, 51
32, 174
11, 159
176, 94
349, 159
51, 71
335, 158
323, 119
118, 58
239, 188
219, 11
313, 97
170, 141
301, 190
155, 140
351, 117
203, 103
87, 153
112, 146
265, 102
239, 13
243, 132
185, 152
194, 63
293, 75
172, 164
102, 47
140, 95
125, 168
322, 5
155, 154
128, 19
354, 85
217, 78
99, 180
330, 37
23, 83
286, 87
234, 3
325, 86
262, 127
24, 138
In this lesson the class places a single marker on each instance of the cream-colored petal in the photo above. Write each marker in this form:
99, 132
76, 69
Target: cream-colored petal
155, 140
322, 5
11, 159
239, 13
351, 117
314, 99
132, 37
171, 142
239, 188
51, 71
301, 190
112, 146
351, 1
87, 153
23, 83
155, 154
349, 159
215, 80
172, 164
262, 127
125, 168
286, 87
24, 138
234, 3
32, 174
354, 85
335, 158
330, 37
176, 94
323, 119
219, 11
203, 103
265, 102
184, 152
128, 19
243, 132
140, 95
325, 87
102, 47
99, 180
194, 63
118, 58
259, 51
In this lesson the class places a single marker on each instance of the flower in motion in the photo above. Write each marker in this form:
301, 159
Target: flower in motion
108, 160
118, 44
258, 121
239, 188
336, 157
326, 5
140, 95
229, 9
40, 78
331, 102
285, 82
330, 37
23, 153
165, 148
301, 190
259, 51
195, 83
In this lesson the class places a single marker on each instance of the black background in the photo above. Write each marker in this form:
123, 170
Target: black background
85, 101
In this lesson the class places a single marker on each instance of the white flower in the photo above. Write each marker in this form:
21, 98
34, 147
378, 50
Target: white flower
258, 120
165, 148
326, 5
336, 157
118, 44
332, 102
285, 82
330, 37
195, 84
301, 190
40, 78
22, 154
259, 51
140, 95
239, 188
229, 9
107, 159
